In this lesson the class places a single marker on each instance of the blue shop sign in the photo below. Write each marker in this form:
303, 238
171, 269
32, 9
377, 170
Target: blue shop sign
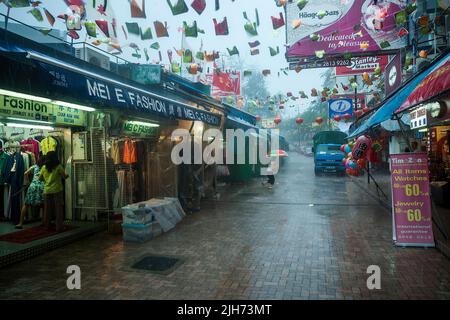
112, 94
340, 107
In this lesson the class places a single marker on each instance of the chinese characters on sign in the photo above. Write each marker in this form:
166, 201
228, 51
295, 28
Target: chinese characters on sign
411, 200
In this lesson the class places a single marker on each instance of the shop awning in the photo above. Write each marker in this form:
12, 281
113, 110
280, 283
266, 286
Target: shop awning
237, 123
64, 77
391, 105
435, 83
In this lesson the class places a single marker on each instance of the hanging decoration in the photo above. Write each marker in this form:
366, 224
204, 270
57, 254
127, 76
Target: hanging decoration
36, 13
91, 28
179, 8
136, 11
161, 29
199, 6
190, 31
103, 26
278, 22
233, 51
254, 44
274, 52
221, 28
132, 28
147, 34
361, 147
301, 4
251, 27
277, 120
50, 17
299, 120
319, 120
254, 51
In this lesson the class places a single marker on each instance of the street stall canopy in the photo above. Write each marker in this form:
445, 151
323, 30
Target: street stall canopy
435, 83
401, 97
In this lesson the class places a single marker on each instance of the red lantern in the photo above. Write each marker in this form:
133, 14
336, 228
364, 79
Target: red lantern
343, 148
365, 109
347, 116
337, 118
258, 118
362, 163
319, 120
361, 147
277, 120
358, 113
299, 120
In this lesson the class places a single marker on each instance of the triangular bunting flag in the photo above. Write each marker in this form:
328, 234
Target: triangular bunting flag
147, 34
278, 22
254, 52
136, 11
37, 14
133, 28
233, 51
91, 28
187, 56
217, 5
103, 25
274, 52
50, 17
221, 28
179, 8
161, 29
199, 6
147, 57
190, 31
155, 46
254, 44
200, 56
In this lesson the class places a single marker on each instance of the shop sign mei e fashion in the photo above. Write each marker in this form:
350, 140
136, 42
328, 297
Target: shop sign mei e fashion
100, 91
19, 108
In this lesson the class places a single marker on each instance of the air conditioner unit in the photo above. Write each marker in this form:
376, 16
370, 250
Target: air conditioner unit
93, 57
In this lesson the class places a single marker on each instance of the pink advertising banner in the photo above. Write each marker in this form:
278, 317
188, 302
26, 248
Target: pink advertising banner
345, 26
411, 200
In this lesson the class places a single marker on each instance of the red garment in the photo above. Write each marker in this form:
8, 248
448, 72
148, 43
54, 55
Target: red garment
32, 146
129, 152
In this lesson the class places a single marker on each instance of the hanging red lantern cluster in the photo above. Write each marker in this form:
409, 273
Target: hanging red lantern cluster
347, 116
299, 120
337, 118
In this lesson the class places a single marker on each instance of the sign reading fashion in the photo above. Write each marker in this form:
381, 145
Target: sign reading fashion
33, 110
411, 200
104, 93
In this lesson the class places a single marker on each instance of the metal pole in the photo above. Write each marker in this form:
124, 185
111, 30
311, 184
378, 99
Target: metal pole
356, 93
7, 18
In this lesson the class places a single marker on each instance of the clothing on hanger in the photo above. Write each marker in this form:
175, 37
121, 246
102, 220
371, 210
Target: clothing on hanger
48, 144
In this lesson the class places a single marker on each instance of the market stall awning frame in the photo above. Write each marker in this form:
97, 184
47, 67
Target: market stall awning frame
391, 104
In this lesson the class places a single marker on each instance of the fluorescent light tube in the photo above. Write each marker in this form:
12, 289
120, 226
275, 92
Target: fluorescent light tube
74, 106
24, 96
27, 120
148, 124
30, 126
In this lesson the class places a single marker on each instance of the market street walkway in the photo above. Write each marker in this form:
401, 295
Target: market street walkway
308, 238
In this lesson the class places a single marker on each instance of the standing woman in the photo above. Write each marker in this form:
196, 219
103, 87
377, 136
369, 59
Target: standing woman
53, 174
35, 193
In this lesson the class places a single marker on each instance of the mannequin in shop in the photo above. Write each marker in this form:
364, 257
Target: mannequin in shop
35, 193
53, 174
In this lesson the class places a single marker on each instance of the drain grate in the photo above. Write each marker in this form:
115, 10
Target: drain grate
158, 264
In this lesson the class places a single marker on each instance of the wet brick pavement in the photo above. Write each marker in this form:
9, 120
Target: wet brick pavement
308, 238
